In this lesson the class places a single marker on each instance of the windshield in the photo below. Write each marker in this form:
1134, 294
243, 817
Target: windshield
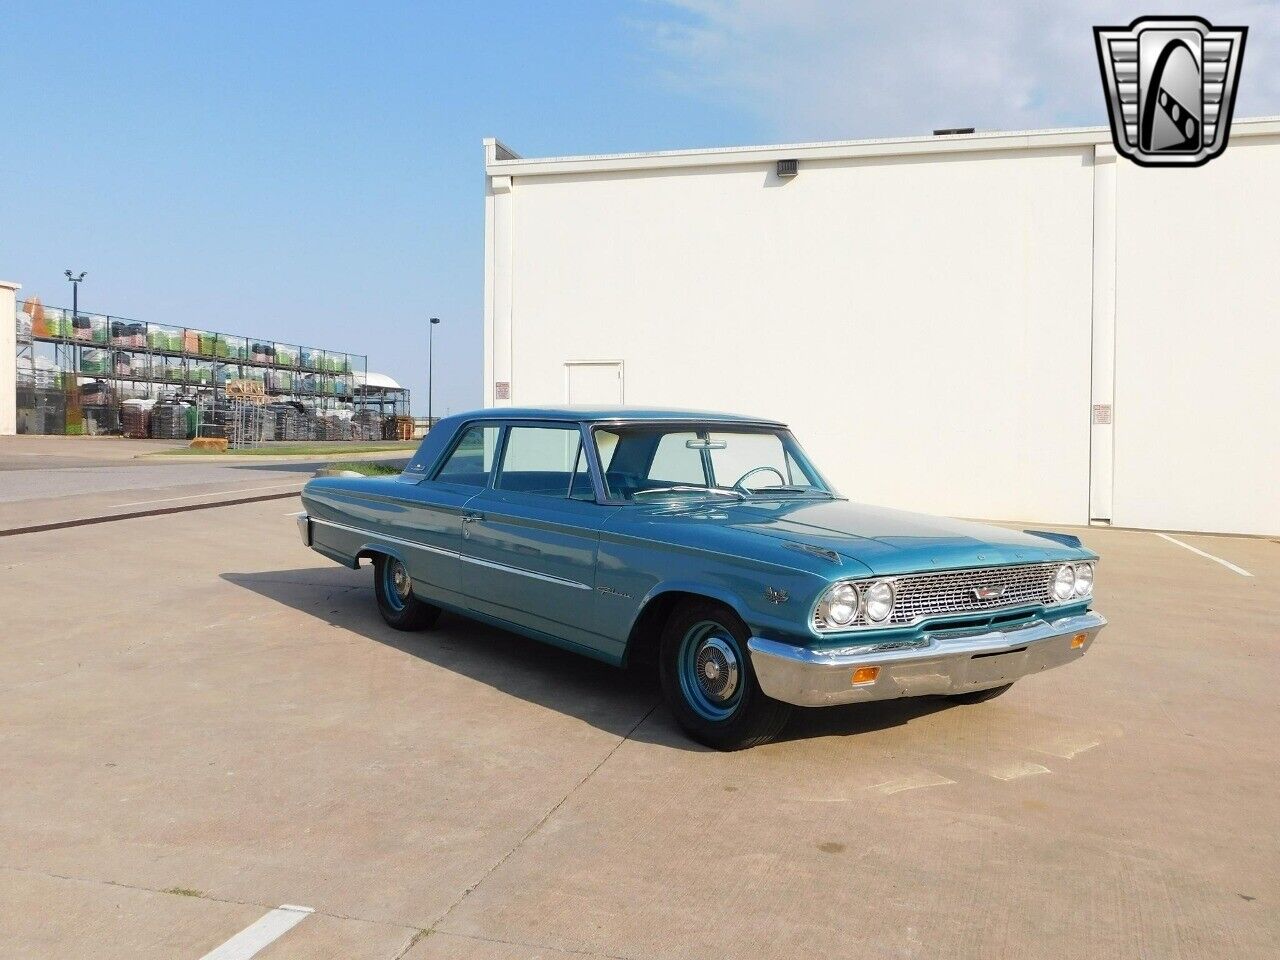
648, 461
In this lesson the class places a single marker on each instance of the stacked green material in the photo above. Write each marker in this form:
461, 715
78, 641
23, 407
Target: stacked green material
95, 361
206, 344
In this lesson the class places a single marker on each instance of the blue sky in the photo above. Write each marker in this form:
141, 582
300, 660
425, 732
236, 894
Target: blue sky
313, 172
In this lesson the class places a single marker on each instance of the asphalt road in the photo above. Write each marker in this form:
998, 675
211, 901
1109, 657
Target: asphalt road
201, 721
60, 479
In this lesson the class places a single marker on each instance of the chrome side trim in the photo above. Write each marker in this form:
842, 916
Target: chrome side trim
507, 568
456, 555
390, 539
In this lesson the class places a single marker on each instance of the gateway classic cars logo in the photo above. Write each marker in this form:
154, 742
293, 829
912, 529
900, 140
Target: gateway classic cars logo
1171, 88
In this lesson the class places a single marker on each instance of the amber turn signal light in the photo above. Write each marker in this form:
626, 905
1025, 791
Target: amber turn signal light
1077, 641
865, 675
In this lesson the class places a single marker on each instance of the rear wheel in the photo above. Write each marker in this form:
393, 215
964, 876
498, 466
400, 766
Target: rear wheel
394, 589
709, 683
979, 696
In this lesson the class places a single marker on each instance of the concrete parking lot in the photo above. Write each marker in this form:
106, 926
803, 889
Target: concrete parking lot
201, 721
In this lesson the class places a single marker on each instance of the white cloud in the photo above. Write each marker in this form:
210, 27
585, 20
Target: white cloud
830, 70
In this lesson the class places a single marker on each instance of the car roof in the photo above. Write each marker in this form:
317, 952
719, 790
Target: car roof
611, 413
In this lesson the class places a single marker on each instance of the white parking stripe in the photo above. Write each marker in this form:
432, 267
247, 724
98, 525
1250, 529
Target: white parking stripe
1208, 556
253, 938
207, 493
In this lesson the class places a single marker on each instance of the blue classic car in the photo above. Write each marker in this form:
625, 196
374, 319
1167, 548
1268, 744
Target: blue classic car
710, 545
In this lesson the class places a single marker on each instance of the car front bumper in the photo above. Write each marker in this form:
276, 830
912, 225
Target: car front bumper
945, 662
304, 528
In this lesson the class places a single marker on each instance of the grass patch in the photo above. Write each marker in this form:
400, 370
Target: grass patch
300, 448
368, 469
183, 892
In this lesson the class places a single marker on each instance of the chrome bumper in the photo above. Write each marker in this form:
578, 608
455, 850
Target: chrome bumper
944, 662
304, 528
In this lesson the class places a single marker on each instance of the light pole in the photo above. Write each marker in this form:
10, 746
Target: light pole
75, 292
431, 363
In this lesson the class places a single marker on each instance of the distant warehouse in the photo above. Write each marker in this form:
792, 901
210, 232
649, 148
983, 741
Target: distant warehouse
1016, 326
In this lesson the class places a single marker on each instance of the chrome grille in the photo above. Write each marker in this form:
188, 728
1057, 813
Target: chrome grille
921, 596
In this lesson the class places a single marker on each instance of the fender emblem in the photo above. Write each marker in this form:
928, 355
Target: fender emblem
614, 593
988, 593
776, 596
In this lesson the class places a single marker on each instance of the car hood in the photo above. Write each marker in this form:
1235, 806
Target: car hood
885, 541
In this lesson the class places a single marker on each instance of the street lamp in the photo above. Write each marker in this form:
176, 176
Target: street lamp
431, 363
75, 291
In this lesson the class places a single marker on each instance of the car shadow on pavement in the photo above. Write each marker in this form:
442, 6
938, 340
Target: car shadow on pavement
626, 703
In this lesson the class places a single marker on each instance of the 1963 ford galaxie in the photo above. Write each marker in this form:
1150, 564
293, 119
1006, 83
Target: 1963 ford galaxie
712, 545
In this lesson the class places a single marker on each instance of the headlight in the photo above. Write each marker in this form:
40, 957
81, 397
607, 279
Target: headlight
1084, 579
840, 606
1064, 582
879, 601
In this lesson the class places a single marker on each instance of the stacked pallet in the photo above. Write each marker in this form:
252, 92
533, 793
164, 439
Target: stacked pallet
169, 420
135, 418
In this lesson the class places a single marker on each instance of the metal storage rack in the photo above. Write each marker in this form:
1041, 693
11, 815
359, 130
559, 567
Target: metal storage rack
133, 359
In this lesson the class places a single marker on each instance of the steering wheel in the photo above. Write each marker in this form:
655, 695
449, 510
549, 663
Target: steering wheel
752, 472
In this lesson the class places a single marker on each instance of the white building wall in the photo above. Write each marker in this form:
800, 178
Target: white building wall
1197, 409
938, 320
8, 358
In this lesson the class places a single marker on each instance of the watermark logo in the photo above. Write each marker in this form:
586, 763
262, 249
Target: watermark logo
1171, 88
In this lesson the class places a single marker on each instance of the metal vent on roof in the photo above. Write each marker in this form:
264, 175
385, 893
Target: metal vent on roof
952, 131
787, 168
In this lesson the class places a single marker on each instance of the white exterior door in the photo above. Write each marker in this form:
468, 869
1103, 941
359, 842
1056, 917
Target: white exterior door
593, 381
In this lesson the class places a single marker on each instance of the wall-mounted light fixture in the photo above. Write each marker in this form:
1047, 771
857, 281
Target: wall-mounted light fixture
787, 168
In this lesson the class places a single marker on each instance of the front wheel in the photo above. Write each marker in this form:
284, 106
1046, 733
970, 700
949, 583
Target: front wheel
708, 681
979, 696
394, 589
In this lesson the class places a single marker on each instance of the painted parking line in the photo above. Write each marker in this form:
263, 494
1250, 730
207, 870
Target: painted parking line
253, 938
207, 493
1208, 556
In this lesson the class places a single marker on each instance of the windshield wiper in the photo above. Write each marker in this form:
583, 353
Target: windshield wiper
680, 488
766, 491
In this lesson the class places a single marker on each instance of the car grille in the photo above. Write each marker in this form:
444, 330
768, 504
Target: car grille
923, 596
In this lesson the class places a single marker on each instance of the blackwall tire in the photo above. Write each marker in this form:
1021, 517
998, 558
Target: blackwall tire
978, 696
708, 682
396, 602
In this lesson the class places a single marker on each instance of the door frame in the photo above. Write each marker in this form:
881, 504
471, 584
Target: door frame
622, 375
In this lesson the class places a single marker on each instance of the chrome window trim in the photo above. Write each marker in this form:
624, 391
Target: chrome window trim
455, 554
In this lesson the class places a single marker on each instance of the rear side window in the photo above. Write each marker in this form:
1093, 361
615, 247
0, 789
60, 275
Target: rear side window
471, 462
544, 460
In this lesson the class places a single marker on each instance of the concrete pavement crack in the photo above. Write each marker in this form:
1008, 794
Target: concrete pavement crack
435, 924
203, 896
526, 943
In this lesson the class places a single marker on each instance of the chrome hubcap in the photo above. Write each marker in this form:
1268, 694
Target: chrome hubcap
400, 581
716, 670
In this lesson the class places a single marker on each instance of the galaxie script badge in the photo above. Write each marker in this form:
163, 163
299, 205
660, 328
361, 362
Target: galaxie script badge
1170, 84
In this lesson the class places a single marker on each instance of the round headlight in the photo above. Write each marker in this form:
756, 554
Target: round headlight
1064, 582
841, 605
879, 601
1084, 579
